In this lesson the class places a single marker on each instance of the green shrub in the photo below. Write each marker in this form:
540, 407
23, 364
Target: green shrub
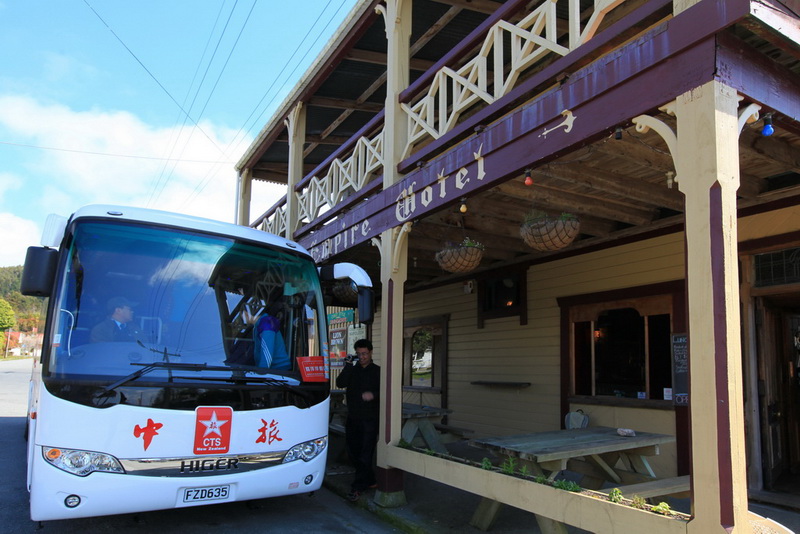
567, 485
615, 495
509, 466
662, 508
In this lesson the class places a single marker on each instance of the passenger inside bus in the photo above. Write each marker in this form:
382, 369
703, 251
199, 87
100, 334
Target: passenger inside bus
260, 342
118, 325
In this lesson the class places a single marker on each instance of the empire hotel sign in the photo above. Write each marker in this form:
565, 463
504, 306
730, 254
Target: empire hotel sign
416, 195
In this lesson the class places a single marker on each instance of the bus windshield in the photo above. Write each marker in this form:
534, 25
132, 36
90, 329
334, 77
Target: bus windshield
163, 317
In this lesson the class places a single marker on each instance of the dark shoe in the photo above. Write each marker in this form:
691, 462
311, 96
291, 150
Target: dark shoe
353, 495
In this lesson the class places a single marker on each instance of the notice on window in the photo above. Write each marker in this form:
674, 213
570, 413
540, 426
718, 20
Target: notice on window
338, 340
680, 369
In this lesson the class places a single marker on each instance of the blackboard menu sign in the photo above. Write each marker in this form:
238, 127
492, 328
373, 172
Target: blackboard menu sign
680, 369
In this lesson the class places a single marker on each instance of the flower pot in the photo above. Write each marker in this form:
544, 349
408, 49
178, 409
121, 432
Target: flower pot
548, 233
459, 259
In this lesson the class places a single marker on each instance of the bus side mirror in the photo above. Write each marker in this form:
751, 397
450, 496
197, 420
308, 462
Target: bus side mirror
39, 271
357, 279
366, 305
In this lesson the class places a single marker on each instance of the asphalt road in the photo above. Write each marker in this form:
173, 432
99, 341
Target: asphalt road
322, 512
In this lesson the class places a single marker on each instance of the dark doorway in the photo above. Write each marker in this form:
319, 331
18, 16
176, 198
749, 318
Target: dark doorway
778, 338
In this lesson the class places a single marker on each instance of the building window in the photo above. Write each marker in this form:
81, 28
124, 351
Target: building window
777, 268
622, 348
503, 296
425, 361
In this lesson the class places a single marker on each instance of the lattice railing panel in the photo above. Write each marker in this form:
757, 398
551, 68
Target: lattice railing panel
510, 49
275, 223
343, 178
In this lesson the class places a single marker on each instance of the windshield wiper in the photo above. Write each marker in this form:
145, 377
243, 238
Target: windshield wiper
269, 381
147, 367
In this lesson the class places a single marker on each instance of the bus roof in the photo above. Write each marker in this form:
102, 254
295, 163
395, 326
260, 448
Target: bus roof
189, 222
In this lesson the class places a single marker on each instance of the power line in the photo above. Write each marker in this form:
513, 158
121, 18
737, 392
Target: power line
153, 77
219, 77
161, 181
113, 155
243, 130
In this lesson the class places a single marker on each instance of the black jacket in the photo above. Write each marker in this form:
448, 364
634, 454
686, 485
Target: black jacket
357, 380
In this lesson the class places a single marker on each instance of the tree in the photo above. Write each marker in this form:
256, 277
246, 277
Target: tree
7, 318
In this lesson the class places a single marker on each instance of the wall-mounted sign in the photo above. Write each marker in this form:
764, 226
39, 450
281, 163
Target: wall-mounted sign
680, 369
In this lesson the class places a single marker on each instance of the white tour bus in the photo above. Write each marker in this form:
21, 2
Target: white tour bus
184, 362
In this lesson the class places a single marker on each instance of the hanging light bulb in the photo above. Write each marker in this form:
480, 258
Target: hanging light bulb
670, 179
528, 179
463, 208
767, 130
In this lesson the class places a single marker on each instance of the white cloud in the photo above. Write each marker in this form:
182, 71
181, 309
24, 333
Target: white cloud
101, 156
18, 234
8, 182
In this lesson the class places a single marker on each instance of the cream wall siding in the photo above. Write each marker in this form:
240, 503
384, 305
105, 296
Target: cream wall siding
507, 352
765, 224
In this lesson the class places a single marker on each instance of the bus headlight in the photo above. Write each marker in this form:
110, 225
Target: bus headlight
306, 451
81, 463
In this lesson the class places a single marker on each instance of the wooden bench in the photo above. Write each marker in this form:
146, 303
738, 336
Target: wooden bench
676, 486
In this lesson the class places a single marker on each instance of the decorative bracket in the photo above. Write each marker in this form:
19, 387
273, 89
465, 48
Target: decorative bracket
645, 122
748, 115
399, 234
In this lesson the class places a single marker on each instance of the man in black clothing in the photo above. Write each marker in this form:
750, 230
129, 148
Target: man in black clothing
118, 326
362, 380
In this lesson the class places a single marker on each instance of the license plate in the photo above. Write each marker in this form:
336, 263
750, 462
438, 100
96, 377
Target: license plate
211, 493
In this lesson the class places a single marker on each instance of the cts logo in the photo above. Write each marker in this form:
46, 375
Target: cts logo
212, 429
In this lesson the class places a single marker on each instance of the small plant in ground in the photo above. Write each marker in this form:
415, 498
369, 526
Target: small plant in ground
403, 444
486, 464
638, 502
662, 508
615, 495
525, 471
509, 466
540, 479
567, 485
430, 452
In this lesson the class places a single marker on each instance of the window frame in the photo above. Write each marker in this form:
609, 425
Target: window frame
439, 361
520, 308
649, 298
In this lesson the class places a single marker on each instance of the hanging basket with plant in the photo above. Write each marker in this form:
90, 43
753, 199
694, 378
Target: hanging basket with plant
544, 232
460, 257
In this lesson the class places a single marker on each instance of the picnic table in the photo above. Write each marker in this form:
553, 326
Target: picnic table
419, 420
595, 452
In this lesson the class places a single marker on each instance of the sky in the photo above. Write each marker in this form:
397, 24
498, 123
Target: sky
146, 103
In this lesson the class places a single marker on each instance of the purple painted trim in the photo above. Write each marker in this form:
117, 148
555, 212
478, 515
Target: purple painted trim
720, 313
475, 38
755, 75
370, 189
600, 96
387, 424
694, 25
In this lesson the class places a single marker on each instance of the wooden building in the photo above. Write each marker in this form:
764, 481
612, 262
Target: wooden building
665, 131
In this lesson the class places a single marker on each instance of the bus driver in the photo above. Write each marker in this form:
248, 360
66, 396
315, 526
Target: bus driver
118, 326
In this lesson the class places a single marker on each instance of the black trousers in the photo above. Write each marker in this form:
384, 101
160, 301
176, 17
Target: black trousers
361, 436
